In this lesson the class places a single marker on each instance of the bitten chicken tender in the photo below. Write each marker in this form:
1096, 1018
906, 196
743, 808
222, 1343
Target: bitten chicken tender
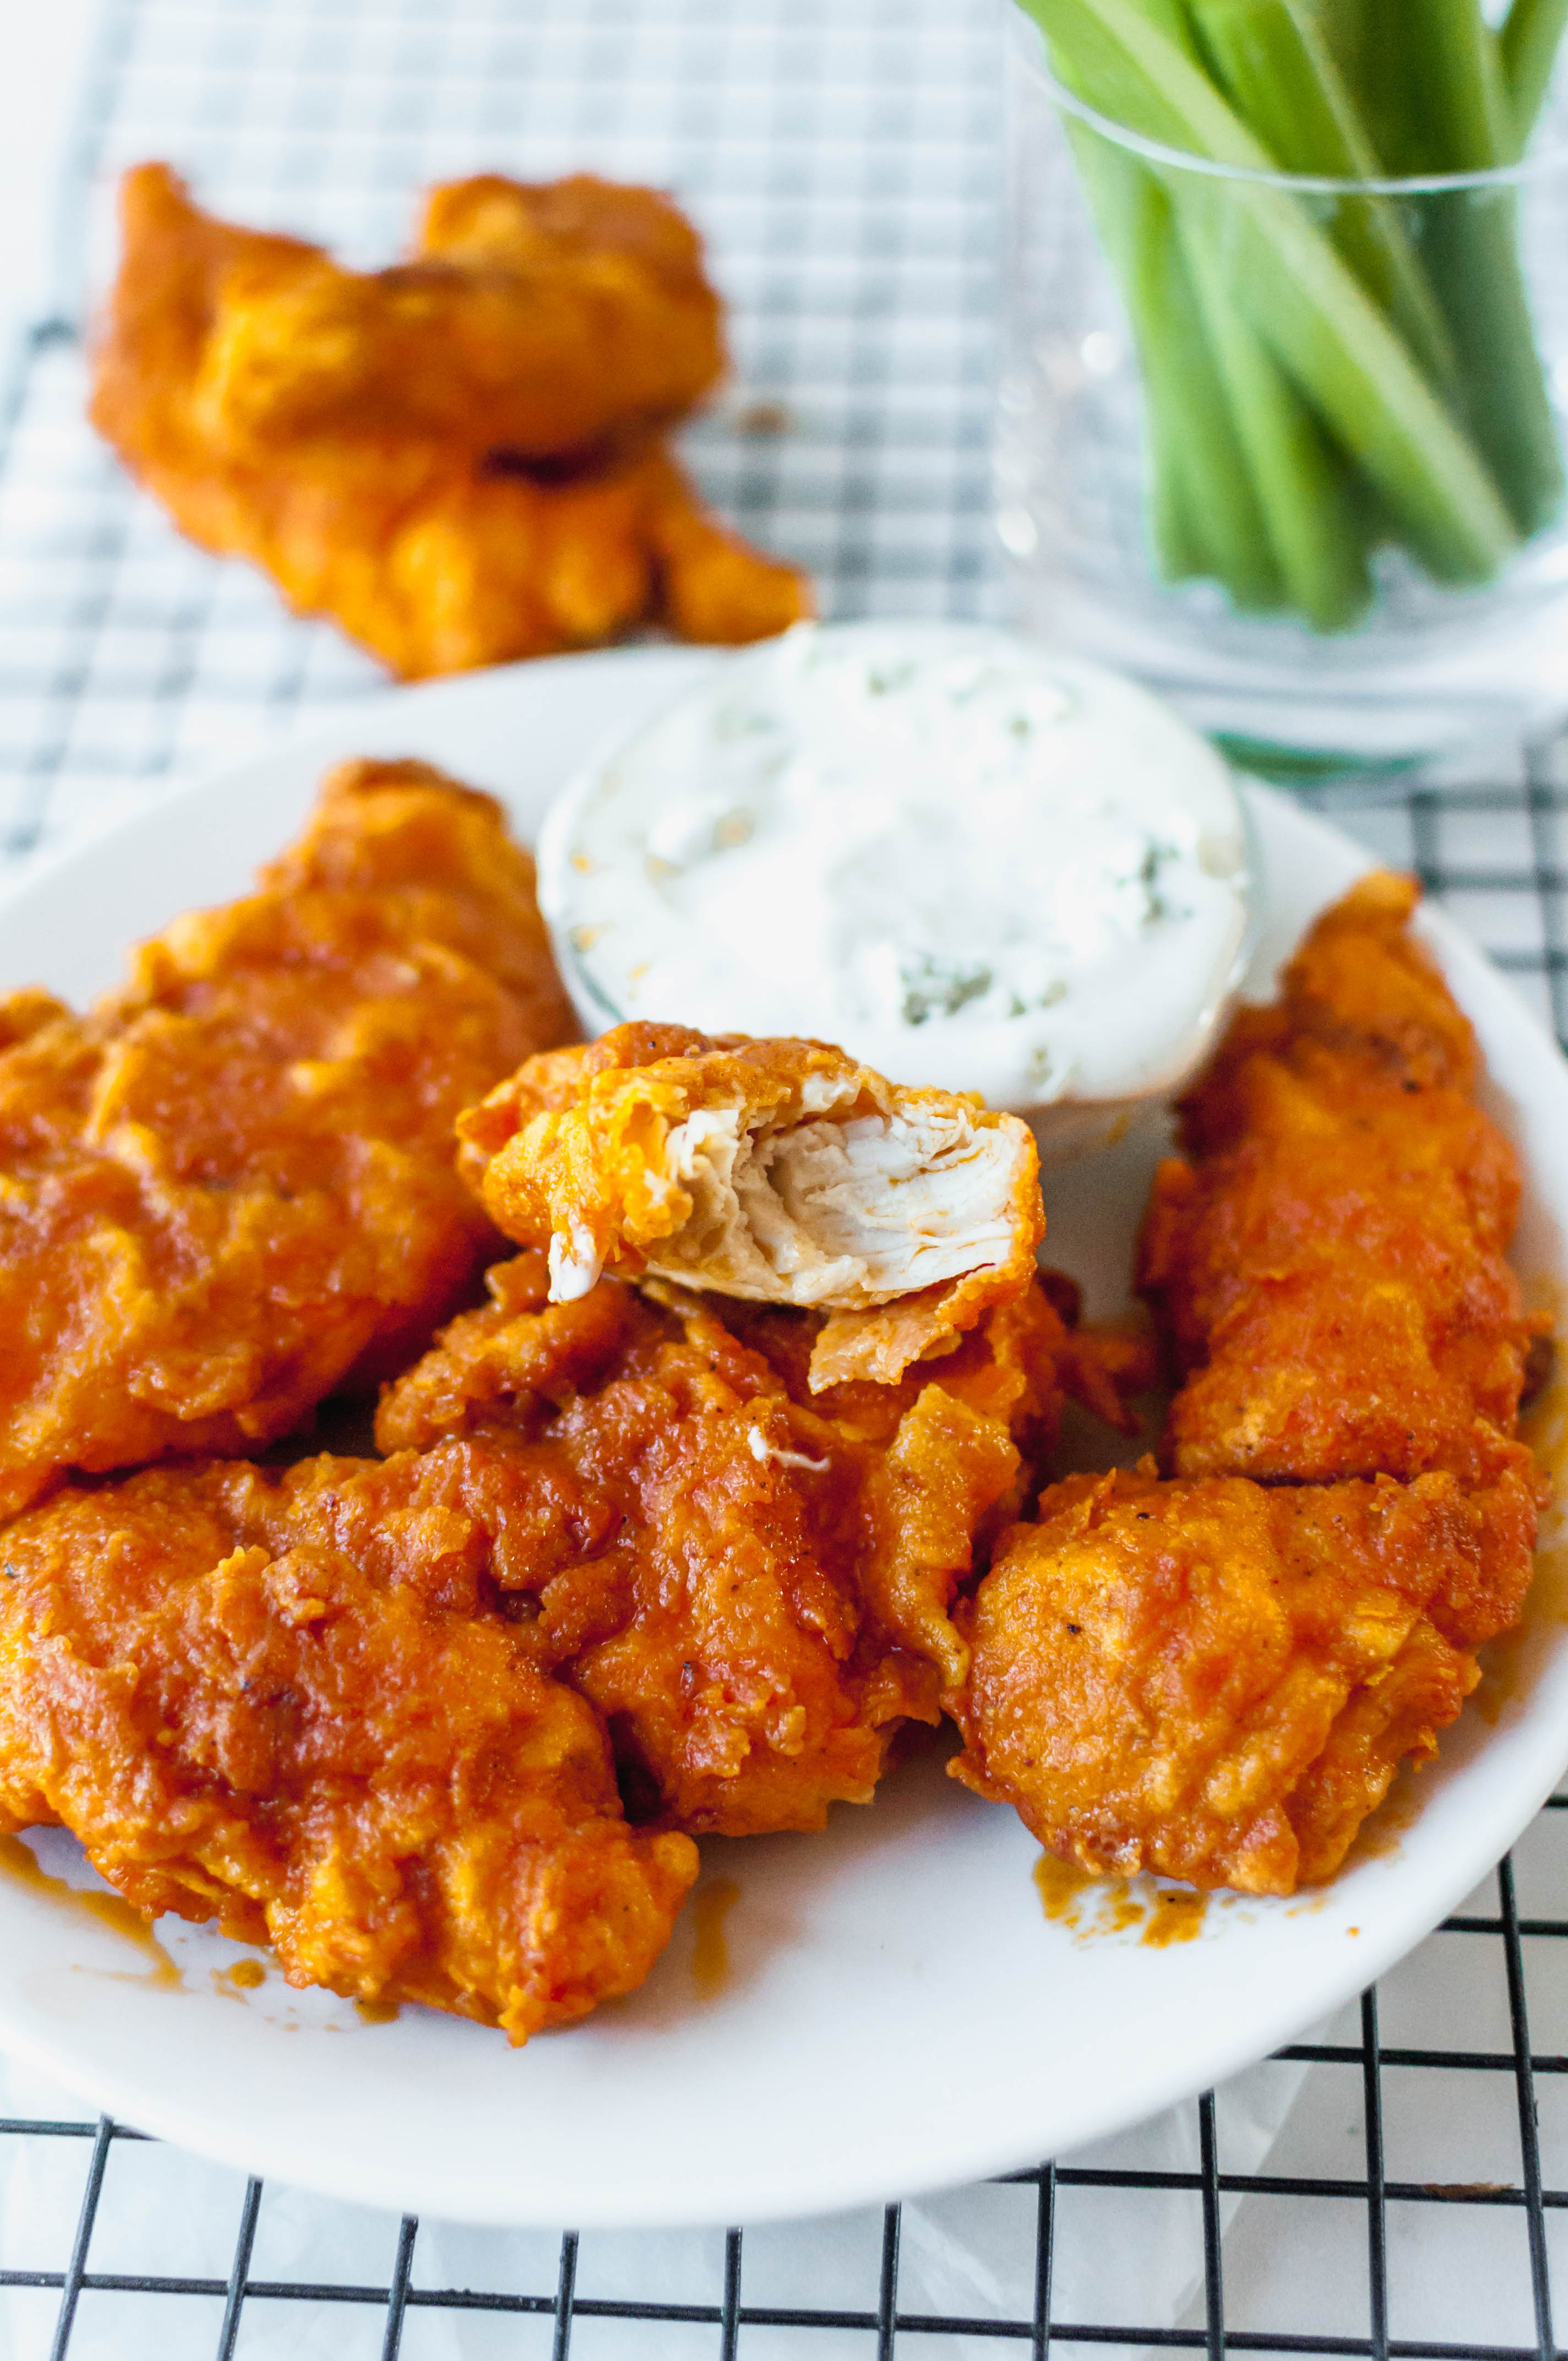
1329, 1259
283, 1703
230, 1189
751, 1583
776, 1171
456, 459
1217, 1680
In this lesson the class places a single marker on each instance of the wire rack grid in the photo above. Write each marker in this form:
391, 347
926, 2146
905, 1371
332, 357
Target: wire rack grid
842, 160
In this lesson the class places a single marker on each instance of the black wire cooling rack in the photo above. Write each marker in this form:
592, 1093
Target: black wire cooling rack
843, 158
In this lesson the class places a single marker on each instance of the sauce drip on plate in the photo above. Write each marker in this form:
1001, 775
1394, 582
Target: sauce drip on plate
17, 1860
710, 1907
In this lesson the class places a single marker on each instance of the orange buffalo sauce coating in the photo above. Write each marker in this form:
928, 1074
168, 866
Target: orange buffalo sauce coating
1217, 1676
229, 1189
1329, 1256
461, 459
751, 1583
275, 1700
1216, 1679
438, 1727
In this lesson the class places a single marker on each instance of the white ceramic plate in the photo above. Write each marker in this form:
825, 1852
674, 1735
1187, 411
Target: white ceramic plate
898, 2011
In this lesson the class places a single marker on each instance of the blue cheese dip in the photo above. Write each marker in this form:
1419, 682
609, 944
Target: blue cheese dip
970, 861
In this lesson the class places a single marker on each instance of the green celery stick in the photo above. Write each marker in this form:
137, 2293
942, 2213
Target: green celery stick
1440, 85
1526, 51
1473, 243
1271, 61
1204, 514
1472, 246
1171, 18
1300, 522
1344, 25
1456, 93
1347, 360
1376, 55
1313, 528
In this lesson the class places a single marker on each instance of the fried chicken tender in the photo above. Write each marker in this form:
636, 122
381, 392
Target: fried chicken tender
282, 1702
538, 319
456, 459
776, 1171
1217, 1677
1217, 1680
751, 1582
230, 1189
1329, 1259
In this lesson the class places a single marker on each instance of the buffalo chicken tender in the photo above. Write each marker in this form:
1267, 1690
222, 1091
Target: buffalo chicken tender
487, 564
230, 1187
751, 1582
754, 1582
1217, 1680
1217, 1677
776, 1171
454, 458
281, 1703
538, 319
1328, 1256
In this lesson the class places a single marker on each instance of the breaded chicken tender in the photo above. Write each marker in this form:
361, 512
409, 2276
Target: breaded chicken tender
539, 319
775, 1171
753, 1583
1362, 984
456, 459
282, 1702
1216, 1679
1329, 1256
230, 1187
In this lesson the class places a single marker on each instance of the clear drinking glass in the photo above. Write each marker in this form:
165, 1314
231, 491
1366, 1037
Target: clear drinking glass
1114, 492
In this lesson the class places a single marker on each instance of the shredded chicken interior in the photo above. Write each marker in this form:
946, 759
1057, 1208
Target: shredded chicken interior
838, 1214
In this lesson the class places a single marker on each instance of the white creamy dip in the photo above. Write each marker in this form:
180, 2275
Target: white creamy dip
968, 861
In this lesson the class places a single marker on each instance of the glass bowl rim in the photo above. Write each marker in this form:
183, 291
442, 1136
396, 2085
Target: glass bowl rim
1027, 46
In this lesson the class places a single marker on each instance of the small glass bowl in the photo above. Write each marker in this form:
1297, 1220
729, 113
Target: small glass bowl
1427, 667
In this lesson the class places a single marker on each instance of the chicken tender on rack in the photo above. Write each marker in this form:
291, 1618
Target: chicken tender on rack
230, 1187
459, 459
753, 1583
282, 1703
775, 1171
1217, 1679
1329, 1256
540, 319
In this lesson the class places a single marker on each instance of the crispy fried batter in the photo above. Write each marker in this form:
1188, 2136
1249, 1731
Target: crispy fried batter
1329, 1262
751, 1582
779, 1170
455, 459
230, 1187
488, 565
539, 319
281, 1702
1218, 1680
1362, 984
